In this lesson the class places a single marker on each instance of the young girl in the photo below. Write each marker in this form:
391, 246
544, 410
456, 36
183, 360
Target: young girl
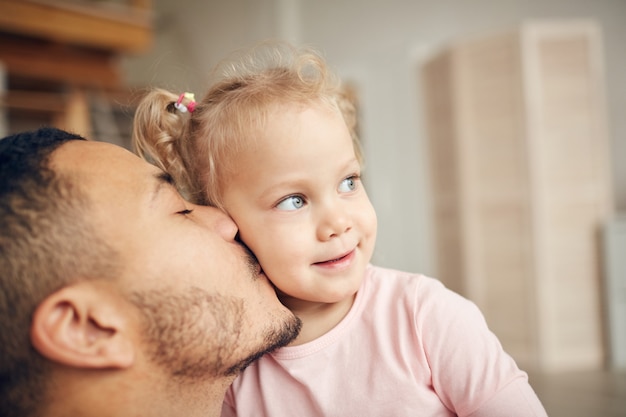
273, 144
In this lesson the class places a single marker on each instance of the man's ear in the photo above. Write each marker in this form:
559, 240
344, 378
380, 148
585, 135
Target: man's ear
82, 325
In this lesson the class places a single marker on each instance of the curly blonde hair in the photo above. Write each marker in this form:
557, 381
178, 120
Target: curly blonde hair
199, 149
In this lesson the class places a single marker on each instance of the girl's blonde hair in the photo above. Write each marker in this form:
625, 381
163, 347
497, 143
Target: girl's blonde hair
199, 149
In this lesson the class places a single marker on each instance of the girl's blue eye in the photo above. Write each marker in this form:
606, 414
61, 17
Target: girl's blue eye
291, 203
349, 184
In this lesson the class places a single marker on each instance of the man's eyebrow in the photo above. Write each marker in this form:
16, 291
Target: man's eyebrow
162, 179
165, 178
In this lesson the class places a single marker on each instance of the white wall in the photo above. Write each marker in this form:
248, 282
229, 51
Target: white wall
191, 36
377, 44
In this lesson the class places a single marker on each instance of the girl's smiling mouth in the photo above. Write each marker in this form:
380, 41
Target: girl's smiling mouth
344, 259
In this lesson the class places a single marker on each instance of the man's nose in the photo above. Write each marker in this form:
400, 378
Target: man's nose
219, 221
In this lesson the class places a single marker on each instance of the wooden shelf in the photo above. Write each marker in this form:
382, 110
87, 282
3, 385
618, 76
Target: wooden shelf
44, 60
120, 28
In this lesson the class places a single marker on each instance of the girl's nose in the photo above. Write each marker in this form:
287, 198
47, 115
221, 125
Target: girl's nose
334, 223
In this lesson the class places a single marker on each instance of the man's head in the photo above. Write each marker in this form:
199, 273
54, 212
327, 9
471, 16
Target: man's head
111, 269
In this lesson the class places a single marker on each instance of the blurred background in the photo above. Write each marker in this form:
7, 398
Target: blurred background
494, 137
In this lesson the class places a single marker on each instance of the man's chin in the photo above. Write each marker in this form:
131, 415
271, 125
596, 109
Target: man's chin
273, 340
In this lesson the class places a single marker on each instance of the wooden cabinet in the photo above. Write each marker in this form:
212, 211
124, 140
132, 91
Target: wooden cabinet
58, 56
519, 162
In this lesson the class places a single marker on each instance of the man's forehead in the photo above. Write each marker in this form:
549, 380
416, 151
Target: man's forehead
106, 170
74, 152
97, 158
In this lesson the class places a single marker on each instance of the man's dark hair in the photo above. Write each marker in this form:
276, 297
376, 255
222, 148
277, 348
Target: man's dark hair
46, 243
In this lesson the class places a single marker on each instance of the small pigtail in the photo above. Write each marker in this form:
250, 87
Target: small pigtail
159, 130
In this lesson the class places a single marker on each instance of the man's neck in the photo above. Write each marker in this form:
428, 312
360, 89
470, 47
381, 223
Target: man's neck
139, 399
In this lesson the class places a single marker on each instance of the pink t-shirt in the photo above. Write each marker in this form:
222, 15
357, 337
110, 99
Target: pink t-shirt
408, 347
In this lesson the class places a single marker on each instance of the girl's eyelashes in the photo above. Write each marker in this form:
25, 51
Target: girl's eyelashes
291, 203
349, 184
185, 212
297, 201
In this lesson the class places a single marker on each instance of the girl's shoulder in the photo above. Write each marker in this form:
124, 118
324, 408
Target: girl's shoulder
380, 277
412, 289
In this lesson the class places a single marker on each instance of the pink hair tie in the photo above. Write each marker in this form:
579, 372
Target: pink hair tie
184, 108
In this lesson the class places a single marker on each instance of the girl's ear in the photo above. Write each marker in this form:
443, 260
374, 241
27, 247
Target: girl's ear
82, 326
